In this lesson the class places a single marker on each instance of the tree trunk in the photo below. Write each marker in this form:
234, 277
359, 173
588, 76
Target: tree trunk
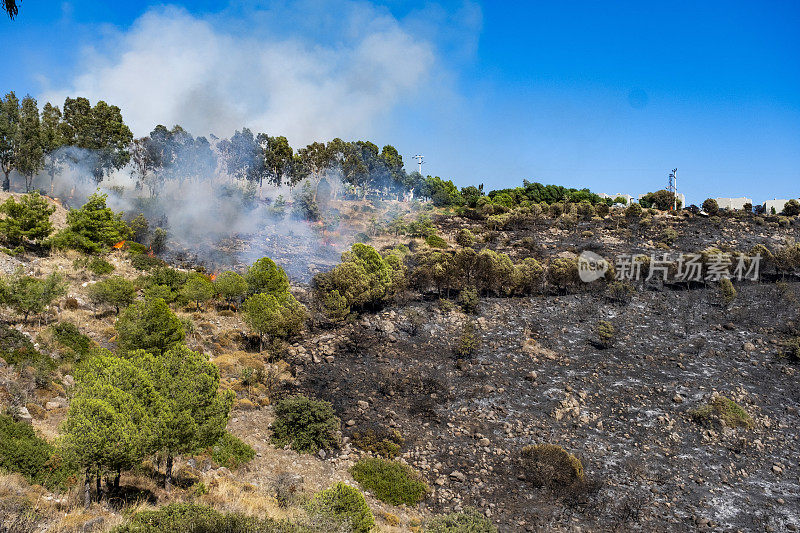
87, 490
116, 481
99, 486
168, 479
6, 181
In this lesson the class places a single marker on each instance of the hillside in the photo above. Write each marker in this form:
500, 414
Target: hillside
683, 414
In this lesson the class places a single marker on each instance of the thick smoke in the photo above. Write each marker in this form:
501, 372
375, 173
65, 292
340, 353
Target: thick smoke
213, 76
211, 218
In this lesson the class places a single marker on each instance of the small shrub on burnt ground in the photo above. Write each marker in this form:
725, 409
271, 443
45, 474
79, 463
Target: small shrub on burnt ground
550, 465
286, 488
792, 349
391, 482
379, 440
468, 341
620, 292
468, 300
304, 424
724, 411
605, 334
344, 506
468, 521
96, 265
727, 292
415, 319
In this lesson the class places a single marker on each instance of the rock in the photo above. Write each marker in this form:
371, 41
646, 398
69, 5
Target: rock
749, 347
483, 442
350, 423
24, 416
94, 524
677, 398
532, 375
777, 469
457, 476
51, 406
322, 454
362, 404
68, 380
3, 363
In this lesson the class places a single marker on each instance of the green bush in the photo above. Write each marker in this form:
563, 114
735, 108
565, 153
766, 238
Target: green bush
74, 344
468, 300
232, 452
27, 295
115, 291
465, 237
344, 504
606, 333
96, 265
149, 325
723, 410
188, 517
391, 482
551, 466
22, 451
380, 441
16, 348
28, 220
468, 521
434, 241
468, 342
92, 227
304, 424
141, 261
727, 292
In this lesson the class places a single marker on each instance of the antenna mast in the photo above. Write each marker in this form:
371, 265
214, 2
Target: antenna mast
673, 188
420, 160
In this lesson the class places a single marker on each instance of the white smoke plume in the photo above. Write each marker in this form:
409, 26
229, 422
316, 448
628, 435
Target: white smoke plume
215, 75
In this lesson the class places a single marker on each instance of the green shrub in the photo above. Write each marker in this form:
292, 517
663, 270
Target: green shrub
550, 465
793, 349
188, 517
710, 206
606, 333
434, 241
28, 220
304, 424
141, 261
27, 295
149, 325
96, 265
727, 292
136, 248
232, 452
723, 410
465, 237
633, 212
92, 227
380, 441
468, 300
22, 451
344, 504
468, 342
16, 348
391, 482
468, 521
74, 344
115, 291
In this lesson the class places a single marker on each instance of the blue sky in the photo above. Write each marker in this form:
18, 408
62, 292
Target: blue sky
609, 96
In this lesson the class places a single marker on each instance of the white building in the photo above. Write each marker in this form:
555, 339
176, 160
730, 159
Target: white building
775, 204
733, 204
628, 197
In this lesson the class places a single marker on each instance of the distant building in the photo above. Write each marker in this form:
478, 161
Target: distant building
628, 197
777, 205
733, 204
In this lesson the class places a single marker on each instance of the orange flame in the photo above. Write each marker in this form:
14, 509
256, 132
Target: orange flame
212, 277
119, 245
150, 252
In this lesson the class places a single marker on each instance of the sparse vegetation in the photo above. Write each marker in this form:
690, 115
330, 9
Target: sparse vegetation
232, 452
722, 410
467, 521
344, 505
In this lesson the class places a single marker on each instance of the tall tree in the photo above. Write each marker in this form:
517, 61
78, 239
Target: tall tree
99, 129
149, 325
9, 136
52, 139
195, 412
278, 158
30, 152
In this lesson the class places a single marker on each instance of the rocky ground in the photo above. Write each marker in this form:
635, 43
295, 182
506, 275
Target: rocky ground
624, 411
